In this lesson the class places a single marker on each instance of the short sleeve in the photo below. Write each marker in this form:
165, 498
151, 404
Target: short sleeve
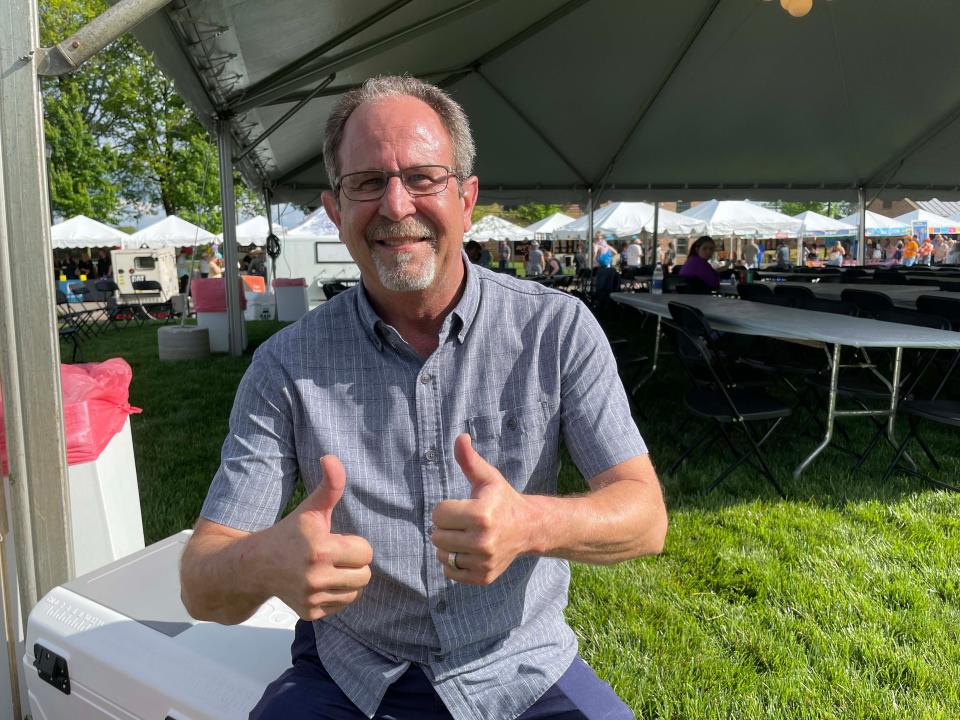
597, 426
258, 465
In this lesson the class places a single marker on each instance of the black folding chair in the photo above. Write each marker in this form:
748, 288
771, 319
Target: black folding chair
795, 291
158, 309
754, 291
837, 307
870, 303
716, 397
117, 314
946, 307
68, 328
935, 409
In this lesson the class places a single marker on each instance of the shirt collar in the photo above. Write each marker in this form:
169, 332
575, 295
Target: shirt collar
463, 314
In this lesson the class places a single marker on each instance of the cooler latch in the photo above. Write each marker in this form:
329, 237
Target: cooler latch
52, 668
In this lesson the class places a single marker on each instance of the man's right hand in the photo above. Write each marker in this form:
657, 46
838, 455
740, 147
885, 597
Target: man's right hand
316, 572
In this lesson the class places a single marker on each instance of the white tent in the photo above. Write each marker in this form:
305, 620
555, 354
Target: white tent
316, 224
935, 223
816, 225
491, 227
624, 219
82, 232
742, 218
541, 228
172, 231
255, 230
879, 225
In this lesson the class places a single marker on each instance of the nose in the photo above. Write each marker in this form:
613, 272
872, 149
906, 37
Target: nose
396, 202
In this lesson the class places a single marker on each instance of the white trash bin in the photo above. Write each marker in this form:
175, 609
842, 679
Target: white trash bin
291, 294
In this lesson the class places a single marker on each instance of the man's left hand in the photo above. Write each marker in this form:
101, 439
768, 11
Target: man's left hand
487, 531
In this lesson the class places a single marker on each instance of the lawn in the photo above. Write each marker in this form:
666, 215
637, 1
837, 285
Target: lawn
842, 601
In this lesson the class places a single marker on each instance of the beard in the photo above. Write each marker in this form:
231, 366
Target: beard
403, 273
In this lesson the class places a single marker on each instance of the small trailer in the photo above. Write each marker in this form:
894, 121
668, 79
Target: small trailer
147, 276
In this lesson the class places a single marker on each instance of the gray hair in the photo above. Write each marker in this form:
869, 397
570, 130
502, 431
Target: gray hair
452, 116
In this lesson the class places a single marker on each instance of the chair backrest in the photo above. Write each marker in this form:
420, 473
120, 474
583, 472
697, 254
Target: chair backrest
696, 341
889, 276
947, 308
837, 307
913, 317
950, 285
691, 286
854, 272
754, 291
61, 297
797, 291
106, 286
869, 302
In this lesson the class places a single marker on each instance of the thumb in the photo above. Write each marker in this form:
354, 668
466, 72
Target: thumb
479, 472
330, 489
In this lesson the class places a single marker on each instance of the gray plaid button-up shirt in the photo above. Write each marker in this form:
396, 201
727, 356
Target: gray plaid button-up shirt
518, 366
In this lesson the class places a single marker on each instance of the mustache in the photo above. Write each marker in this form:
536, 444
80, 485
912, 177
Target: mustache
384, 229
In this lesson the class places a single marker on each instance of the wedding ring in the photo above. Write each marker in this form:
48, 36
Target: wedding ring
452, 561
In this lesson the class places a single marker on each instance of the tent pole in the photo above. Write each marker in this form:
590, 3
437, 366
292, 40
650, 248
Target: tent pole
862, 225
29, 341
655, 246
228, 212
590, 229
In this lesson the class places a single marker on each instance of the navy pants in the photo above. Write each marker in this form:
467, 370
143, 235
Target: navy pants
307, 692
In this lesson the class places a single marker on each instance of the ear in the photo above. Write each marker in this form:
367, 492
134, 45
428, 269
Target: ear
471, 191
332, 207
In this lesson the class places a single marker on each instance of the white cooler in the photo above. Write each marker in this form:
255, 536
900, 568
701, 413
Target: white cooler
118, 643
218, 326
291, 295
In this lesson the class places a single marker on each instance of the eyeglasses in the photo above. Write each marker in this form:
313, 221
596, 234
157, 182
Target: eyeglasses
418, 180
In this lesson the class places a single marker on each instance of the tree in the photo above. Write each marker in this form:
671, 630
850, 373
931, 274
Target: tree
532, 212
121, 138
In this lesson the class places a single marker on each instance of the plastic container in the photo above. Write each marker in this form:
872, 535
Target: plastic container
210, 303
656, 282
292, 302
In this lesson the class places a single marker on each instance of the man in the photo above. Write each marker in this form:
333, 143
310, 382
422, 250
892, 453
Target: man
783, 255
750, 253
504, 253
910, 251
423, 410
473, 251
534, 259
634, 253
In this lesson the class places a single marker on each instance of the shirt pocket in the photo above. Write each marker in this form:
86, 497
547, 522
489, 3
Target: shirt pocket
521, 443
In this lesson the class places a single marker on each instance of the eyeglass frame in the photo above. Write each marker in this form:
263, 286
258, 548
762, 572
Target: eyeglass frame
387, 174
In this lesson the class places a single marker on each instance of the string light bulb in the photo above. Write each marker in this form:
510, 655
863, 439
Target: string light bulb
797, 8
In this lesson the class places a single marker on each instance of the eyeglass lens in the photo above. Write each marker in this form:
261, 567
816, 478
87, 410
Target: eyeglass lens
371, 184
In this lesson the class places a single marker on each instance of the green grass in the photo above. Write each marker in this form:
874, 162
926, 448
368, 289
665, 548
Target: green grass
842, 601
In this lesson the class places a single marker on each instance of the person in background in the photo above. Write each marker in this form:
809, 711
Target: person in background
473, 251
634, 253
216, 269
697, 266
183, 267
551, 264
940, 249
104, 266
485, 257
579, 259
750, 253
669, 256
876, 252
534, 259
761, 251
70, 267
602, 252
953, 254
910, 251
783, 255
205, 264
925, 253
836, 254
504, 254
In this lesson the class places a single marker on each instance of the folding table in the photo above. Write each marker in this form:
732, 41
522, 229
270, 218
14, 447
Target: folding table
793, 324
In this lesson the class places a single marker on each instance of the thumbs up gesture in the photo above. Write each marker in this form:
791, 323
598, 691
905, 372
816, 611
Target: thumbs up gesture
314, 571
487, 531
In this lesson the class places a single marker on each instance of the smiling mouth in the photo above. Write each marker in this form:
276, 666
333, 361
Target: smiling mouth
396, 243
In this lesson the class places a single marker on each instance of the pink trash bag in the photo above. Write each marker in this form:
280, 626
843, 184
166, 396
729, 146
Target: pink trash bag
95, 406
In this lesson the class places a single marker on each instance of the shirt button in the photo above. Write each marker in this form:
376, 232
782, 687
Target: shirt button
441, 606
439, 657
430, 455
512, 423
425, 378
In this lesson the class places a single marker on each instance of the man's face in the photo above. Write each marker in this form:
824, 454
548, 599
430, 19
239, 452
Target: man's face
400, 242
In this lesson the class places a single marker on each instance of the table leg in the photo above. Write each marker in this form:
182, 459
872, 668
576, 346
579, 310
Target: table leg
831, 410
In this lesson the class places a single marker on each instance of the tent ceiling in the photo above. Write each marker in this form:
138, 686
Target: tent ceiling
651, 100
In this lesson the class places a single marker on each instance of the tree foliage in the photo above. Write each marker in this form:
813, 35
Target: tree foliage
532, 212
122, 141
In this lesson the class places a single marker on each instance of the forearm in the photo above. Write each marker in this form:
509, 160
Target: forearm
220, 579
617, 522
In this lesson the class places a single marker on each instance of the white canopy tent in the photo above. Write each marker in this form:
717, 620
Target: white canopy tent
541, 229
82, 232
623, 219
813, 224
935, 223
316, 224
255, 230
491, 227
878, 225
743, 219
172, 231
